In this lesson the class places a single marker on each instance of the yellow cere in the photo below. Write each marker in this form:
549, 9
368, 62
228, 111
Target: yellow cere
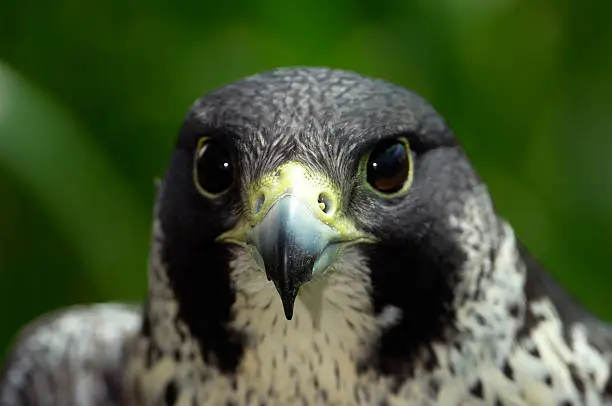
313, 189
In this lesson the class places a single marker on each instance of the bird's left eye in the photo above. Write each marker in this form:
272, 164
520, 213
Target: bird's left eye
389, 166
213, 170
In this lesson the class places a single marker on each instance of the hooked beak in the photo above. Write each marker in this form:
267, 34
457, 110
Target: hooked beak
296, 230
293, 245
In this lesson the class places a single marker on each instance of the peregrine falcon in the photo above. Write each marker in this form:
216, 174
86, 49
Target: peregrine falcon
321, 238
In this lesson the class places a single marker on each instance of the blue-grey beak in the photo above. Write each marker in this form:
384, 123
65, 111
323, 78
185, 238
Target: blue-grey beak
292, 244
294, 227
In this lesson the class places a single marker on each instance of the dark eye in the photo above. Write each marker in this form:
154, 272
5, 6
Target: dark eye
213, 170
388, 167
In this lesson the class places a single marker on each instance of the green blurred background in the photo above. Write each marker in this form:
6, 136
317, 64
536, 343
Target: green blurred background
92, 94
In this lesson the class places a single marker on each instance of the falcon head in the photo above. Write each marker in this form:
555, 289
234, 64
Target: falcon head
324, 192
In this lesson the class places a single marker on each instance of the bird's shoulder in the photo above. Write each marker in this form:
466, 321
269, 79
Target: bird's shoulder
70, 356
562, 350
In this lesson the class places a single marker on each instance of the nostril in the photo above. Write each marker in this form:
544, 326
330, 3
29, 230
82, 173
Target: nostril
325, 203
259, 203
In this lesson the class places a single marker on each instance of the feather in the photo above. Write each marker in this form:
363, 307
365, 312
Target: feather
70, 357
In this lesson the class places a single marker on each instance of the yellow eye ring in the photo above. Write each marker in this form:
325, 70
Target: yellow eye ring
388, 167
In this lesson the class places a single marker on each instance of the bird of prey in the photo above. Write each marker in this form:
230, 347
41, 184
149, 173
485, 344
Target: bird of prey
321, 238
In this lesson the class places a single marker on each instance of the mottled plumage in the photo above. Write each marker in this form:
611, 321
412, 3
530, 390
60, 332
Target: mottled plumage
433, 302
71, 357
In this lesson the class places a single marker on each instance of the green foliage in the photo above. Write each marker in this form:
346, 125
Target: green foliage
91, 99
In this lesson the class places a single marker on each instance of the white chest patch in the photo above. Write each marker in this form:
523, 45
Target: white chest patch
314, 356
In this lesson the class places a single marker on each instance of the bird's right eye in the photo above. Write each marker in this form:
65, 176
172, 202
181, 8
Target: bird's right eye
389, 167
213, 170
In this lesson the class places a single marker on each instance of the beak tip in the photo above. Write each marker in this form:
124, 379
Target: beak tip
288, 300
288, 313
